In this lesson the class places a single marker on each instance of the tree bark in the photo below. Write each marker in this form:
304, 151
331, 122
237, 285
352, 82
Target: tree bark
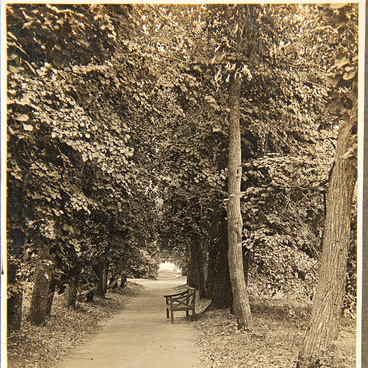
246, 262
330, 288
70, 294
14, 301
101, 269
43, 291
15, 248
14, 314
192, 279
203, 268
241, 306
199, 261
219, 287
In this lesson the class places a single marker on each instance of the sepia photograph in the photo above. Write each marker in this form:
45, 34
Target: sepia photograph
181, 185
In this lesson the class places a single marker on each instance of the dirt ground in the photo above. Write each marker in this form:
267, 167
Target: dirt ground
140, 336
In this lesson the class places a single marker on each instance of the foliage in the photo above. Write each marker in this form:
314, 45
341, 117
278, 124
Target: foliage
283, 212
59, 34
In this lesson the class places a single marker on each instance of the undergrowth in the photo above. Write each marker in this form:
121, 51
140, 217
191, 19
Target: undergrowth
273, 342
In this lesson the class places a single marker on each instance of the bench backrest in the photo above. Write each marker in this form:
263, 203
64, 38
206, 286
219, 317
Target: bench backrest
183, 301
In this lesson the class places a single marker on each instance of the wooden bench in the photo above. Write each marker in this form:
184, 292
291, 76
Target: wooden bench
184, 301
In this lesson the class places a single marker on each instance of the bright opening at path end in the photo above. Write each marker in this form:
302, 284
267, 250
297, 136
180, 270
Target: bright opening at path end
168, 266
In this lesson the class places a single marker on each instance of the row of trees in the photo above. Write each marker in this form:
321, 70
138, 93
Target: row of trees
73, 187
200, 134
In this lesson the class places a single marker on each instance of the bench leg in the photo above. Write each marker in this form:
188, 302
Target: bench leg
172, 317
167, 313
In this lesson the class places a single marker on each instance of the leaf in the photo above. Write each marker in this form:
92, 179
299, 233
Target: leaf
14, 69
28, 127
337, 6
21, 117
332, 81
28, 24
341, 62
12, 36
349, 75
210, 99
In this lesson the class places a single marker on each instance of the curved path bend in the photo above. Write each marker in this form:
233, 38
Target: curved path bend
140, 336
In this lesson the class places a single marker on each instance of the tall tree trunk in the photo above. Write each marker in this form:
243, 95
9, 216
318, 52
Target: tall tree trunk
241, 306
14, 301
199, 260
219, 287
330, 288
43, 290
14, 313
101, 269
246, 262
15, 248
192, 279
203, 267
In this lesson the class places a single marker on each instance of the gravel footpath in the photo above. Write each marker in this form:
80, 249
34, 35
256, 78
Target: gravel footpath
140, 336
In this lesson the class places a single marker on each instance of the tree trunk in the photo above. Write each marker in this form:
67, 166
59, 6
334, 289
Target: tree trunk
15, 248
203, 268
70, 294
219, 287
330, 288
101, 269
14, 313
14, 301
43, 291
241, 306
192, 278
246, 262
199, 260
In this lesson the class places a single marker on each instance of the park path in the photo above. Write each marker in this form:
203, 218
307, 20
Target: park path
140, 336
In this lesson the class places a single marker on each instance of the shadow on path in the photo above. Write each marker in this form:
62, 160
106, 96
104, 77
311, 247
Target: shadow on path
140, 336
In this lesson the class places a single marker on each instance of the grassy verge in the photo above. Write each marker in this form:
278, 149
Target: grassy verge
43, 346
274, 341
